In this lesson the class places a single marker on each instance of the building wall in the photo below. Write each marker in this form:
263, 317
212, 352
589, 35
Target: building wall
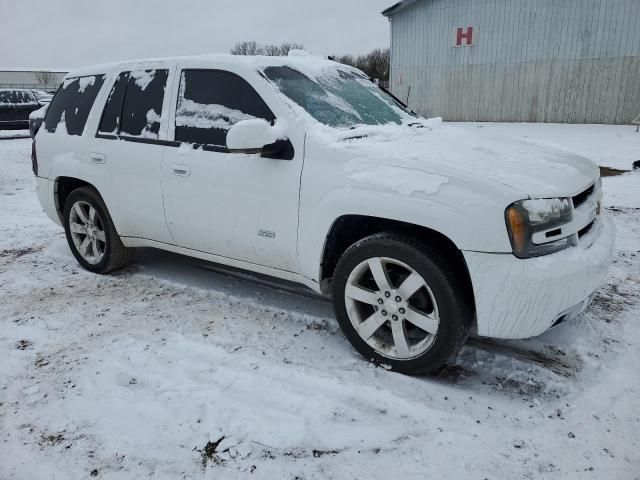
574, 61
28, 79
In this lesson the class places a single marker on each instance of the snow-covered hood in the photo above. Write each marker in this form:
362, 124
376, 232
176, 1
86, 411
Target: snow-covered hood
434, 153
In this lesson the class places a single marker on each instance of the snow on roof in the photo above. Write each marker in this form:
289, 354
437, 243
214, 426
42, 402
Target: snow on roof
398, 6
297, 61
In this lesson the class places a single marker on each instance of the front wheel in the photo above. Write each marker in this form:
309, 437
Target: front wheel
91, 236
399, 304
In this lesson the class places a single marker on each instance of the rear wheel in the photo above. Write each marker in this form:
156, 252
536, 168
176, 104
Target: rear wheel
399, 304
90, 233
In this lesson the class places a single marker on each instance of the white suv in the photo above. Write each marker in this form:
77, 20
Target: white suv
303, 169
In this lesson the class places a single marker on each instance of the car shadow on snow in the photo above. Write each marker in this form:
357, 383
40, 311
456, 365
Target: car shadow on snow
482, 360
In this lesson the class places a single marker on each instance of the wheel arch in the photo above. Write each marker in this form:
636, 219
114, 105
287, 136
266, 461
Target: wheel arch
62, 188
348, 229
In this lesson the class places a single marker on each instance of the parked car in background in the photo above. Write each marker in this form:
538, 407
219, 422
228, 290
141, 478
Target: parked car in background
42, 96
15, 107
303, 169
36, 118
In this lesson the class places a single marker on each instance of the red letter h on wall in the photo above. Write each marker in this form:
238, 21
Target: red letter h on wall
465, 34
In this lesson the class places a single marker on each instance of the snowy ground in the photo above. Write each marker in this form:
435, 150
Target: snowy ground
609, 145
169, 370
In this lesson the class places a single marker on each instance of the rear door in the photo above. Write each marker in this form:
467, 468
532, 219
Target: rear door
130, 141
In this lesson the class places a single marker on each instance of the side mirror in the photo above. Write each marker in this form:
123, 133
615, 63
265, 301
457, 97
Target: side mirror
259, 136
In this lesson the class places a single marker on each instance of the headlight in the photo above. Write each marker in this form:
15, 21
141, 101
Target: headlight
535, 226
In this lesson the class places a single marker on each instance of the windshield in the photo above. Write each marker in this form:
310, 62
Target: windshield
339, 98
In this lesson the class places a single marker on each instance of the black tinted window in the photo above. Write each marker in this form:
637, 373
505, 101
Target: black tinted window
110, 121
210, 102
17, 97
70, 107
143, 103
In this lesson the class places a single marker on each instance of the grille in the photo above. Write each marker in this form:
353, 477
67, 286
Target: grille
582, 197
585, 230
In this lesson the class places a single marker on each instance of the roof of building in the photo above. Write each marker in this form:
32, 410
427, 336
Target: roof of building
398, 6
31, 69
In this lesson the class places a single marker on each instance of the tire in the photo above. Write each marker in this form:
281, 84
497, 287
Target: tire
104, 252
439, 303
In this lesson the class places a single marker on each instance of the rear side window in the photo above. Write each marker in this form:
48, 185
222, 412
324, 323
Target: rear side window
110, 122
70, 107
210, 102
134, 107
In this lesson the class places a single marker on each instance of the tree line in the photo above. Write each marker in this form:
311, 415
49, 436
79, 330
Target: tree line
254, 48
375, 63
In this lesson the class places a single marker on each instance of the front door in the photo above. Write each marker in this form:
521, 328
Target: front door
238, 206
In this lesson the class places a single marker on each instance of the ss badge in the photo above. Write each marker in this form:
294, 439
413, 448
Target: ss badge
266, 234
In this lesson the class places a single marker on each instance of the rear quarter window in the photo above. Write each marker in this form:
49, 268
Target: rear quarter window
134, 106
70, 107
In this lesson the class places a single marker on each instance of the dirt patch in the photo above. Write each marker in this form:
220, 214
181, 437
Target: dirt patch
623, 210
210, 453
41, 362
51, 440
19, 252
24, 345
611, 172
609, 302
452, 374
565, 364
528, 389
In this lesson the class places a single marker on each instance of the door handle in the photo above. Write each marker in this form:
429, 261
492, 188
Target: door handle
98, 158
180, 170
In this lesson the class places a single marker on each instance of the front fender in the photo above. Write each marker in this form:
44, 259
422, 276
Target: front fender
467, 224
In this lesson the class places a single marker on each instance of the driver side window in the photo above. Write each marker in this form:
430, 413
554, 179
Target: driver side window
210, 102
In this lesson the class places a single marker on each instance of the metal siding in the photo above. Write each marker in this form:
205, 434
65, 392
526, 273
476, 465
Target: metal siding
533, 60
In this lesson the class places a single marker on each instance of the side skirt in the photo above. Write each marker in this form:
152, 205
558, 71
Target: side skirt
133, 242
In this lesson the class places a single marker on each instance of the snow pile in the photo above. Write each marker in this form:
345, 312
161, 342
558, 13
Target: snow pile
616, 146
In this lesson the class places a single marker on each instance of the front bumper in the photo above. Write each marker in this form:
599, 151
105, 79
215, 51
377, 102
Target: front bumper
518, 298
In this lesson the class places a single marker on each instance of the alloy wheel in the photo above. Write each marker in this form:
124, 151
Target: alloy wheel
87, 232
392, 308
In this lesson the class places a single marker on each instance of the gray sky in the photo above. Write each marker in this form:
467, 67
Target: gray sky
71, 33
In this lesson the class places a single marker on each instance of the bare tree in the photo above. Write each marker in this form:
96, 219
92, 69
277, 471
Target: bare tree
271, 50
375, 64
253, 48
378, 64
247, 48
45, 78
286, 47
